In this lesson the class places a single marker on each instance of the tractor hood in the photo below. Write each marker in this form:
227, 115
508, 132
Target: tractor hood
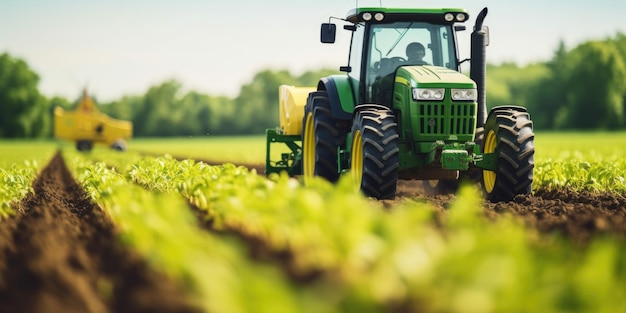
432, 77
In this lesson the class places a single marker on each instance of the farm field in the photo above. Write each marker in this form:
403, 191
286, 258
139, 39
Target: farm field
244, 149
141, 232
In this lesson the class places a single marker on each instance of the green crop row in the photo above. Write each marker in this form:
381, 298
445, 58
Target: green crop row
15, 183
19, 164
374, 259
582, 175
581, 161
161, 227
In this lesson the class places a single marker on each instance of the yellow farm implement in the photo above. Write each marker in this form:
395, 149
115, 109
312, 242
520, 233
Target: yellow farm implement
86, 125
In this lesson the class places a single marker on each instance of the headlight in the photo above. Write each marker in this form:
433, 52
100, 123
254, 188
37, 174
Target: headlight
464, 94
422, 94
367, 16
379, 16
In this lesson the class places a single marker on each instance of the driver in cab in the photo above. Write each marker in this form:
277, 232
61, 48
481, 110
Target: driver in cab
415, 52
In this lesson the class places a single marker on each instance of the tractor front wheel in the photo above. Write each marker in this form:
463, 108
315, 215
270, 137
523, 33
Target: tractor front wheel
509, 134
374, 154
119, 145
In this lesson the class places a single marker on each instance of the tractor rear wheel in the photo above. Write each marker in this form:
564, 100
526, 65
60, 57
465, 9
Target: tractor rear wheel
374, 157
322, 135
84, 145
509, 134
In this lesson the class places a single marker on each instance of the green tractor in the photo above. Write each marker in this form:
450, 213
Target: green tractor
404, 111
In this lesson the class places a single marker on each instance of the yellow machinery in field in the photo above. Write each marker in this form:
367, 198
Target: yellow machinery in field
86, 125
291, 101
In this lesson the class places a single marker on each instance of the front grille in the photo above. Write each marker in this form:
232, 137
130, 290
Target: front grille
441, 119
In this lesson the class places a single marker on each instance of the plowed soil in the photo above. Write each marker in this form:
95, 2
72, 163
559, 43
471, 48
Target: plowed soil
578, 216
60, 252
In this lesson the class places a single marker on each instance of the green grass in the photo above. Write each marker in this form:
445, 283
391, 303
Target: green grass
20, 162
241, 149
251, 149
591, 161
20, 151
590, 146
550, 146
582, 160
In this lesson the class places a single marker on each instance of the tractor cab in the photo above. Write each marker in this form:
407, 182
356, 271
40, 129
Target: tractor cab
382, 42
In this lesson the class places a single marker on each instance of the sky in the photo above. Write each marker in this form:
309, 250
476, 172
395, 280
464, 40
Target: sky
123, 47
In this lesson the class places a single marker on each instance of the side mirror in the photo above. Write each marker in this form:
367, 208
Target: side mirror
328, 32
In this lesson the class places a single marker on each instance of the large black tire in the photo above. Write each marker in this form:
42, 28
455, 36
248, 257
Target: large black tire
84, 145
374, 158
509, 133
119, 145
321, 136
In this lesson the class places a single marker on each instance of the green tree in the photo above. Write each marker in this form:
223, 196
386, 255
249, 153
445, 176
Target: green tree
52, 104
547, 101
620, 42
595, 86
257, 103
158, 114
311, 78
23, 111
498, 80
208, 115
123, 109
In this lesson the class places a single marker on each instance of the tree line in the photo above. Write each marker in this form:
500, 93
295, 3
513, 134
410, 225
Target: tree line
581, 88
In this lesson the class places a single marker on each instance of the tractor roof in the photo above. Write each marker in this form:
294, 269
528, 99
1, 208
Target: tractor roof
442, 15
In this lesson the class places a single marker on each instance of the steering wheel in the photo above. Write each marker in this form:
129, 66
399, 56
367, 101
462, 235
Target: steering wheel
389, 63
397, 60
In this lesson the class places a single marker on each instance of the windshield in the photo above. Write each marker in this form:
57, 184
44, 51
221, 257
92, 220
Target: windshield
408, 43
392, 40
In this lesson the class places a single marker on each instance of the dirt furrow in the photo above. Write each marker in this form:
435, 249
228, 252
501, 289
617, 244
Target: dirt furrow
60, 253
578, 216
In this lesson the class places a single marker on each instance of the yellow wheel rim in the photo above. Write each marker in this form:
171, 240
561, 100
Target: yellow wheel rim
308, 146
356, 159
489, 177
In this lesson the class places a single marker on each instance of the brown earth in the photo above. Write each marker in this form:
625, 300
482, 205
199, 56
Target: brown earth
60, 252
578, 216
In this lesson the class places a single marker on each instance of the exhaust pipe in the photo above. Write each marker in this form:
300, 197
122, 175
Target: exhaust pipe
478, 67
